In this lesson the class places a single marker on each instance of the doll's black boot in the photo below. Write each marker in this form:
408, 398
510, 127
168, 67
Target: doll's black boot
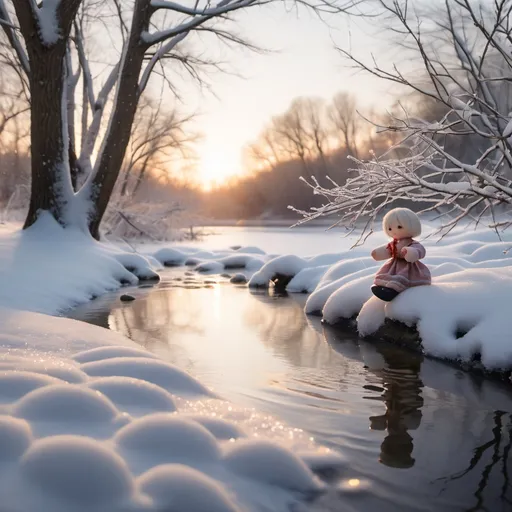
383, 293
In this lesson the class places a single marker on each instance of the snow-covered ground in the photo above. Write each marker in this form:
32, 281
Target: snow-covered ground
90, 421
463, 313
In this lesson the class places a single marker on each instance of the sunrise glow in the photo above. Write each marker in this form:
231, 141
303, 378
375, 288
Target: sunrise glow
217, 165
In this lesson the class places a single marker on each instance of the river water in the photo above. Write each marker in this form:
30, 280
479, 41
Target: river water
426, 435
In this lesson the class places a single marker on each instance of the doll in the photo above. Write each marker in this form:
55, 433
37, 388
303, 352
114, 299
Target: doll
403, 270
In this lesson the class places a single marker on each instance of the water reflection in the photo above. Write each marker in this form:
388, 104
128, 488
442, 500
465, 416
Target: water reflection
402, 397
427, 435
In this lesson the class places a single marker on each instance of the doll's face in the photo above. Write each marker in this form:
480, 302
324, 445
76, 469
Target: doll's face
395, 229
401, 223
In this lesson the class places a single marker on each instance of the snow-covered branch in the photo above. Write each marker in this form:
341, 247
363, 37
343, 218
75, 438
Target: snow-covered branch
198, 20
461, 163
192, 11
98, 110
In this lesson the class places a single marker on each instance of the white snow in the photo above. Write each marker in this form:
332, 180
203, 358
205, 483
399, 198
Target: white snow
48, 24
90, 421
47, 269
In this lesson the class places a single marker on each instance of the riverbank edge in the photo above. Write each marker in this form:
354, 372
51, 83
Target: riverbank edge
407, 337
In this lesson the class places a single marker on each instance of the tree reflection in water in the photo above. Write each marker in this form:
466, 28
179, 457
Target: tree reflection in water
493, 456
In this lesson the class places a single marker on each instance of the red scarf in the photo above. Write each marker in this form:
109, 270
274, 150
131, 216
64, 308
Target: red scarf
392, 248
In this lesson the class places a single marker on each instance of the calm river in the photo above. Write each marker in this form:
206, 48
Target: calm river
425, 435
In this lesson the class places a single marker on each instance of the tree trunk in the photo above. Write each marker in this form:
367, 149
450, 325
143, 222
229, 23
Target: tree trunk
74, 167
118, 136
141, 175
126, 179
48, 146
51, 184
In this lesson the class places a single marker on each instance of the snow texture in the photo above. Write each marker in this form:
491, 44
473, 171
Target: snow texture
90, 421
132, 434
51, 277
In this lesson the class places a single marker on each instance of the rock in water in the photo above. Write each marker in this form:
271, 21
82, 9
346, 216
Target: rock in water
238, 279
126, 298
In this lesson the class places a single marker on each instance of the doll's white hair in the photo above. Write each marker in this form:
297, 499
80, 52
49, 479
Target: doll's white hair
406, 218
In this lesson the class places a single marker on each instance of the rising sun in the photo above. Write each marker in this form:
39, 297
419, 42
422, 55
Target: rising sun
217, 166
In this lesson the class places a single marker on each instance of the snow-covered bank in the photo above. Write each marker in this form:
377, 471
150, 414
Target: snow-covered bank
89, 421
462, 316
47, 269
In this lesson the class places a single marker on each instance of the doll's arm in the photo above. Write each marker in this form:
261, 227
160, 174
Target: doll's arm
381, 253
413, 252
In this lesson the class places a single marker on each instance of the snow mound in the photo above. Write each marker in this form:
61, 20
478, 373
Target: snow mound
121, 439
180, 488
77, 470
284, 265
307, 279
137, 265
170, 257
155, 371
75, 408
158, 372
348, 300
317, 300
15, 438
15, 385
134, 395
272, 464
461, 316
168, 438
63, 370
247, 261
234, 261
52, 277
102, 353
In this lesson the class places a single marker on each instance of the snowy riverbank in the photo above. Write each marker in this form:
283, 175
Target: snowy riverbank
90, 421
462, 316
74, 396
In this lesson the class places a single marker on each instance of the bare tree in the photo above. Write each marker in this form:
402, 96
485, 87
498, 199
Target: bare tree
346, 120
158, 138
49, 43
300, 133
470, 77
264, 151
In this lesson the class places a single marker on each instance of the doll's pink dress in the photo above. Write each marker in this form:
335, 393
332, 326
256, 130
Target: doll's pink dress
397, 273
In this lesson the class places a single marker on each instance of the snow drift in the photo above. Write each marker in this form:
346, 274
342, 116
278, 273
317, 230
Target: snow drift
89, 421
